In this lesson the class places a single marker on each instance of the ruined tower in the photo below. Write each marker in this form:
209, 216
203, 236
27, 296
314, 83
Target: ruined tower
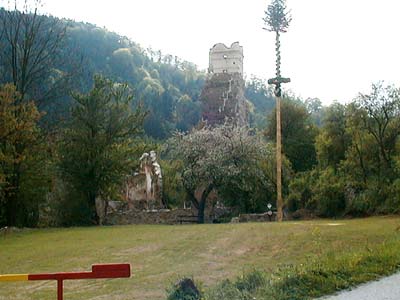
223, 93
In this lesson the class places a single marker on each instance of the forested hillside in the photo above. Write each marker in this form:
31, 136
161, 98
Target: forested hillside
168, 86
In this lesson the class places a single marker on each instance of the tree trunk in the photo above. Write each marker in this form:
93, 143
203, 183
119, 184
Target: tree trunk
11, 209
200, 216
13, 205
202, 204
92, 205
361, 161
192, 198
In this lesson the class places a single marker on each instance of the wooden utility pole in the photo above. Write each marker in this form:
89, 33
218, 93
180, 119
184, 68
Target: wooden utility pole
279, 201
277, 20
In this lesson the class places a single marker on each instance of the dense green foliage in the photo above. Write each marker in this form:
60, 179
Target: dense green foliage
357, 154
261, 101
298, 134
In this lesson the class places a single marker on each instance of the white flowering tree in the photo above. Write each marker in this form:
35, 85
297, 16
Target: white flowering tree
232, 161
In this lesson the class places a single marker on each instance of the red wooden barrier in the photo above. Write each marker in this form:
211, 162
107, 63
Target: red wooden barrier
98, 272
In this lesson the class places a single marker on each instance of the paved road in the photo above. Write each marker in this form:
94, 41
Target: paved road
387, 288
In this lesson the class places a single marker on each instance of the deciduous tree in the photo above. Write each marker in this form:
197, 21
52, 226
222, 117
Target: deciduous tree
381, 119
19, 136
98, 147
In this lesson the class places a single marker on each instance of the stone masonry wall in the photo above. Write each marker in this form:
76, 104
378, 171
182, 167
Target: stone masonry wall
164, 216
223, 100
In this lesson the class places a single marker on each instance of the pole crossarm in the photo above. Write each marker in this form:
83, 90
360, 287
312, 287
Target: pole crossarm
277, 81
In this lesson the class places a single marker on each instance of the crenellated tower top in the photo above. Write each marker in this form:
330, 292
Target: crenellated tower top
225, 59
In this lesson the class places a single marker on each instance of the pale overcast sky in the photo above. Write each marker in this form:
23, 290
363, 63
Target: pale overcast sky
333, 49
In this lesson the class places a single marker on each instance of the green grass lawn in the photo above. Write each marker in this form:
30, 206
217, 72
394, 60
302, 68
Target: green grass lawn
160, 254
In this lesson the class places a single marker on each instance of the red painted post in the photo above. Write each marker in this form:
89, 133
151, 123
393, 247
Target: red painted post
60, 289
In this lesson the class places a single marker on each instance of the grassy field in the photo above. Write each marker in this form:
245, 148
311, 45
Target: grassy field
160, 254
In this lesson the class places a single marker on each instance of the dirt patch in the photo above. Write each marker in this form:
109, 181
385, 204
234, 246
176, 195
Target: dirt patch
138, 250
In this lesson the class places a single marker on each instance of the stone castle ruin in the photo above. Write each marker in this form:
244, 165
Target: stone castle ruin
223, 94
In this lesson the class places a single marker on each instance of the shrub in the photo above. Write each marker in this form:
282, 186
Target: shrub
184, 289
329, 194
361, 205
300, 191
242, 289
251, 281
227, 290
392, 203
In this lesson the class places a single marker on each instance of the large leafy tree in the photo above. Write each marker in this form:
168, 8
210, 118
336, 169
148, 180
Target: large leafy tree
98, 147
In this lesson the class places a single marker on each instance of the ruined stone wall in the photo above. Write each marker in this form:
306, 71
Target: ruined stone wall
164, 216
264, 217
223, 100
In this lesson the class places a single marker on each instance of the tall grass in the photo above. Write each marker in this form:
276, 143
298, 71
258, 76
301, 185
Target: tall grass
319, 277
